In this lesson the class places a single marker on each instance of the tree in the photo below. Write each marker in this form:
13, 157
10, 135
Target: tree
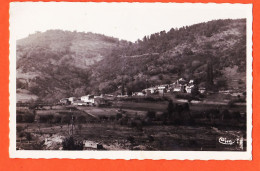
81, 119
222, 83
80, 127
28, 137
123, 89
170, 109
19, 129
19, 118
150, 114
195, 91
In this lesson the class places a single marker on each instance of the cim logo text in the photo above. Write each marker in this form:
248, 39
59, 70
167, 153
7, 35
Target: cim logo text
226, 141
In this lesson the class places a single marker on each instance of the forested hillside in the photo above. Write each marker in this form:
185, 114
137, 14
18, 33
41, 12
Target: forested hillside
57, 64
186, 52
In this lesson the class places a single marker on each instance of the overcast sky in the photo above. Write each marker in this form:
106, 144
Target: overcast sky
128, 21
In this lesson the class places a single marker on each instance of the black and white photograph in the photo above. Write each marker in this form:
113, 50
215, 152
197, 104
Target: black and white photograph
130, 80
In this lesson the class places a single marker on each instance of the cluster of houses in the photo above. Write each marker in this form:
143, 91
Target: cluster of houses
181, 85
87, 100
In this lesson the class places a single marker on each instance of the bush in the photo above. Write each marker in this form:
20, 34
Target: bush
46, 118
56, 119
212, 113
21, 134
150, 114
28, 136
81, 119
70, 144
19, 118
19, 129
112, 118
28, 118
226, 115
123, 121
66, 119
236, 115
119, 116
131, 139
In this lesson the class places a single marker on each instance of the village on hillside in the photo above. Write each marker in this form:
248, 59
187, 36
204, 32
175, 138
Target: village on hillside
179, 86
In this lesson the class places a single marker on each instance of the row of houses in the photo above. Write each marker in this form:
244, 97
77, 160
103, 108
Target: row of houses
181, 85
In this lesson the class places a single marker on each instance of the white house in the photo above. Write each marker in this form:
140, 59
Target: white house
202, 90
138, 94
89, 99
177, 88
188, 88
152, 89
79, 103
181, 79
72, 99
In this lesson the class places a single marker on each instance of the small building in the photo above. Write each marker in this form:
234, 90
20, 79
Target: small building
138, 94
202, 90
72, 99
147, 92
178, 88
152, 90
65, 101
181, 81
79, 103
189, 88
162, 89
89, 99
120, 95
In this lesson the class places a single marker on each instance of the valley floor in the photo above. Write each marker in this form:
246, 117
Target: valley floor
103, 128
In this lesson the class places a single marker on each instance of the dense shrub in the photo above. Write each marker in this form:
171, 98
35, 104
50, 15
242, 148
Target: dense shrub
21, 134
236, 115
19, 118
226, 115
19, 129
131, 139
46, 118
70, 144
66, 119
212, 113
28, 118
81, 119
112, 118
28, 136
56, 119
150, 114
119, 116
123, 121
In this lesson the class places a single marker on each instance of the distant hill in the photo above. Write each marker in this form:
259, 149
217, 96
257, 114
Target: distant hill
57, 64
58, 47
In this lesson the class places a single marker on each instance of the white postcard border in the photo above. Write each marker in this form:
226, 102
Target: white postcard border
155, 155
